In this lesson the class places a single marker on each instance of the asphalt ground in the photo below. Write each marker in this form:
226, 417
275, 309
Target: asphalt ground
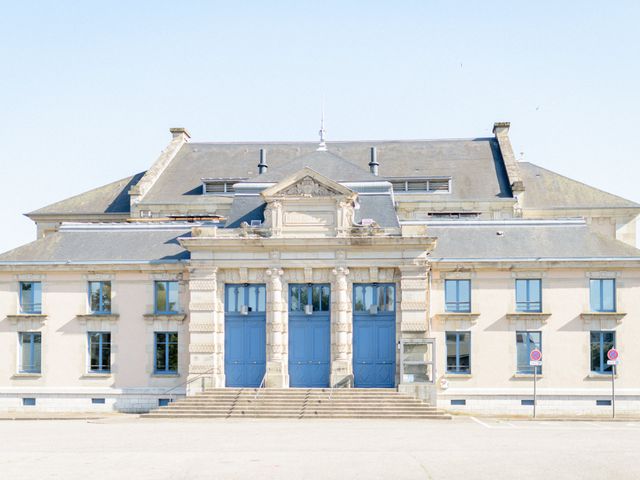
127, 447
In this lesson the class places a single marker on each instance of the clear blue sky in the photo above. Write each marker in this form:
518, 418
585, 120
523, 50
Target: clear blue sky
90, 89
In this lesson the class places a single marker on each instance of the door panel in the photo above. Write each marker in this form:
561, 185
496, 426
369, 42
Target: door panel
309, 336
245, 336
374, 335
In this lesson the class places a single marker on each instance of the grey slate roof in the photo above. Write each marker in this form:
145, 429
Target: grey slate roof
525, 241
325, 163
110, 198
378, 207
91, 246
475, 165
546, 189
245, 209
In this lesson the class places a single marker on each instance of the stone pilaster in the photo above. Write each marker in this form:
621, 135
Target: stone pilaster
277, 374
206, 335
341, 364
414, 311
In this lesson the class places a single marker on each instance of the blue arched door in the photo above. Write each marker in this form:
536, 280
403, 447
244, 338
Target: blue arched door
309, 335
374, 335
245, 335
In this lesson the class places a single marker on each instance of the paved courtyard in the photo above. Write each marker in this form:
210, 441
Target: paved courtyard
124, 447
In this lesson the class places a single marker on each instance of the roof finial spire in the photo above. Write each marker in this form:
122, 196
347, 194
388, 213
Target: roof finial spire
322, 147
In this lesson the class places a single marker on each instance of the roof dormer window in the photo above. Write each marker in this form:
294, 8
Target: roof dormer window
421, 185
217, 186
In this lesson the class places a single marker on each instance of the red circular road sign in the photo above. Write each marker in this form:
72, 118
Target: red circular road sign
613, 354
535, 355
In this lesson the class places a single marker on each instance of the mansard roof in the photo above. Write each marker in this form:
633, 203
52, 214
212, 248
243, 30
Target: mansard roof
110, 198
475, 165
515, 240
549, 190
525, 240
91, 243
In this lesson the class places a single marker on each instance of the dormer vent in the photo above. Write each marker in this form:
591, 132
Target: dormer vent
373, 163
262, 166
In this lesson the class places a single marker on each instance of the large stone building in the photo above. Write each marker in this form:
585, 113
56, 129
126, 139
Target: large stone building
433, 267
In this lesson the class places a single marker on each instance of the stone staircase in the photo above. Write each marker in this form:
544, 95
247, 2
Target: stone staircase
298, 403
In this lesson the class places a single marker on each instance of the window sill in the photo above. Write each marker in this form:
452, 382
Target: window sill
109, 317
539, 316
165, 375
156, 317
458, 375
38, 317
452, 316
601, 376
617, 316
529, 376
97, 375
26, 375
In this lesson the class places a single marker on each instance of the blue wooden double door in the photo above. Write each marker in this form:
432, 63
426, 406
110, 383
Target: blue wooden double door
374, 335
245, 335
309, 335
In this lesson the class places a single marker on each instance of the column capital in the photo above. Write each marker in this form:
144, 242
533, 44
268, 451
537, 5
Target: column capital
340, 271
274, 272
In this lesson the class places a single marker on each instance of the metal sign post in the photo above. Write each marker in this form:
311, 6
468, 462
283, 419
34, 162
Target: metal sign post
535, 360
613, 360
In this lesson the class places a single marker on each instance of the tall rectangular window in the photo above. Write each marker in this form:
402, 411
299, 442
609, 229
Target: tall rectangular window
458, 352
166, 352
525, 343
99, 352
528, 295
602, 294
601, 343
30, 352
166, 297
457, 295
100, 297
31, 297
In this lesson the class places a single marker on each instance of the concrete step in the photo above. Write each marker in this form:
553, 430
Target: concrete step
298, 403
325, 416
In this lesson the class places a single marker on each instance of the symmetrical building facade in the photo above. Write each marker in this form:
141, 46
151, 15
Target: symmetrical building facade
433, 267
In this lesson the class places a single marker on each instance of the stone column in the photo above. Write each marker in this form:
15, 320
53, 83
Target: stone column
341, 364
414, 311
277, 374
414, 319
206, 336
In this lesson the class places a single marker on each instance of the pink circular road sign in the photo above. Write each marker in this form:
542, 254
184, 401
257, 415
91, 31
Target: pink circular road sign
613, 354
535, 355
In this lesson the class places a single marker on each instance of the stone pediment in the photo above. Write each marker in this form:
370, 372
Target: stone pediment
307, 183
308, 204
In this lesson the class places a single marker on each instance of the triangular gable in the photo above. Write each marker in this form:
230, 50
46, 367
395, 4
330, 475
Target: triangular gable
307, 183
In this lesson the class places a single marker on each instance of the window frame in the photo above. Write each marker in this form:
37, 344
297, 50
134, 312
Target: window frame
528, 370
101, 310
36, 307
458, 370
101, 343
321, 289
243, 296
165, 310
601, 282
528, 302
603, 369
457, 308
167, 344
32, 343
